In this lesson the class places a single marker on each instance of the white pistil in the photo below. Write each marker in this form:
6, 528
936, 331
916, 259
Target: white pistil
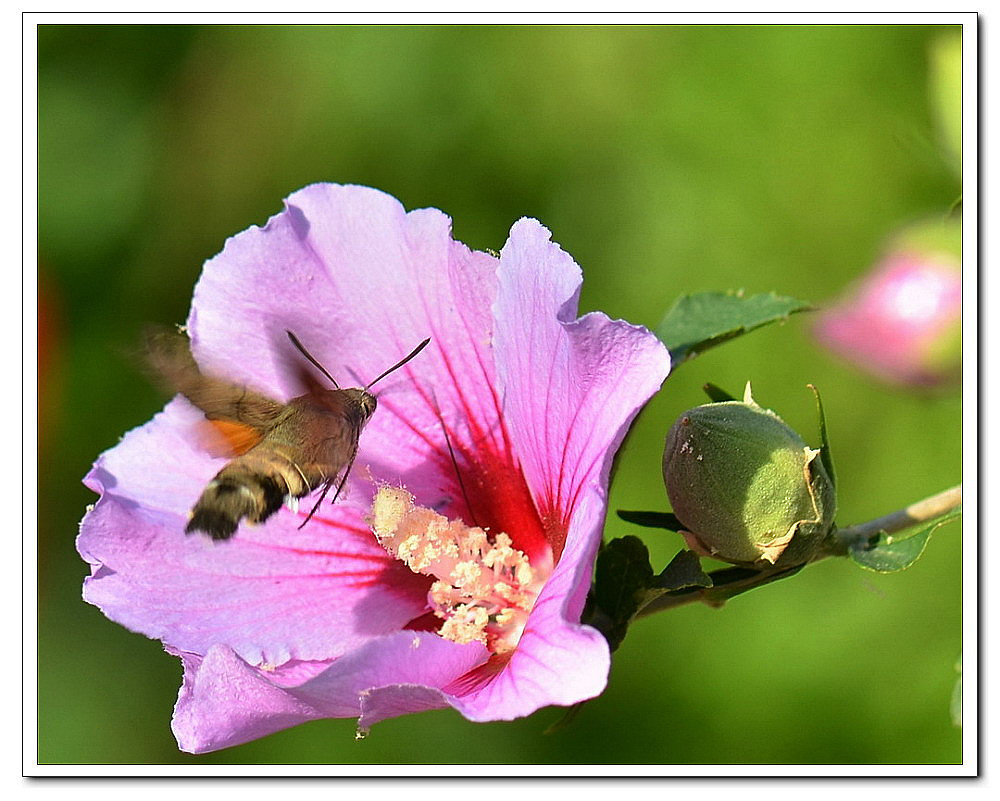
484, 589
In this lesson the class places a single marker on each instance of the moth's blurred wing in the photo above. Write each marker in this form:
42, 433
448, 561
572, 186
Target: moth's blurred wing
225, 438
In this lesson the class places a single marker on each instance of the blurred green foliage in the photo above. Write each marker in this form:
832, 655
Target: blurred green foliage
666, 160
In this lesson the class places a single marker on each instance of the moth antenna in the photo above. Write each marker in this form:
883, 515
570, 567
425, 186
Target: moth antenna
454, 463
399, 364
301, 349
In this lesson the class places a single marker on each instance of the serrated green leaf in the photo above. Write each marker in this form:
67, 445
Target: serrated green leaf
884, 553
824, 450
705, 319
651, 519
717, 394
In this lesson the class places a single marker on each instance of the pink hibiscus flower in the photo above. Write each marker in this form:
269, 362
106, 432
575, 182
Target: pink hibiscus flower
903, 321
502, 431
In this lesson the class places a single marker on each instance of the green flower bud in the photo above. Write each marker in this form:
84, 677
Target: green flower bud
745, 486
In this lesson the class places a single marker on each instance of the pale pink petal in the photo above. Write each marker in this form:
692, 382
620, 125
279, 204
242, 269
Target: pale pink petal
410, 658
361, 282
570, 387
224, 702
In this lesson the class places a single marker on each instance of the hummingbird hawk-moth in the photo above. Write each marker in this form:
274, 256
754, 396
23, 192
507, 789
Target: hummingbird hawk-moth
280, 450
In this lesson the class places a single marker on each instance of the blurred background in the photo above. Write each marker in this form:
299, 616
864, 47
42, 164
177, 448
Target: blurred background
665, 160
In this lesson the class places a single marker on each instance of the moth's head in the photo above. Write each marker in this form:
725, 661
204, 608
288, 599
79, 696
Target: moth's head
361, 404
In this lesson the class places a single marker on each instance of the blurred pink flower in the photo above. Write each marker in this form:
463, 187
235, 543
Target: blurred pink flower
902, 322
281, 625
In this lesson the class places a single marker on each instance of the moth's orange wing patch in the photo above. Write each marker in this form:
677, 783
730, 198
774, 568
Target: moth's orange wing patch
227, 438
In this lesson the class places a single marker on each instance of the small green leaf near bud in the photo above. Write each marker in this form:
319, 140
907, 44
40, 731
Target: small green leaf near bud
887, 553
651, 519
683, 571
824, 448
746, 487
717, 394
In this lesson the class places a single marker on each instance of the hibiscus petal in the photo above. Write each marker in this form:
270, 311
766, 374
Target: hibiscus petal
225, 702
570, 390
570, 387
405, 659
360, 281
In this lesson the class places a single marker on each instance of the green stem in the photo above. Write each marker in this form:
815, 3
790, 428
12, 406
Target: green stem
914, 514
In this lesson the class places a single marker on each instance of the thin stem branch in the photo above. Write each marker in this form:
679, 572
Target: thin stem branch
919, 512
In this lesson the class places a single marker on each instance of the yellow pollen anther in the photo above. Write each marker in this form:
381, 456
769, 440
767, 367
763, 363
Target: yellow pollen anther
465, 573
484, 589
505, 616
